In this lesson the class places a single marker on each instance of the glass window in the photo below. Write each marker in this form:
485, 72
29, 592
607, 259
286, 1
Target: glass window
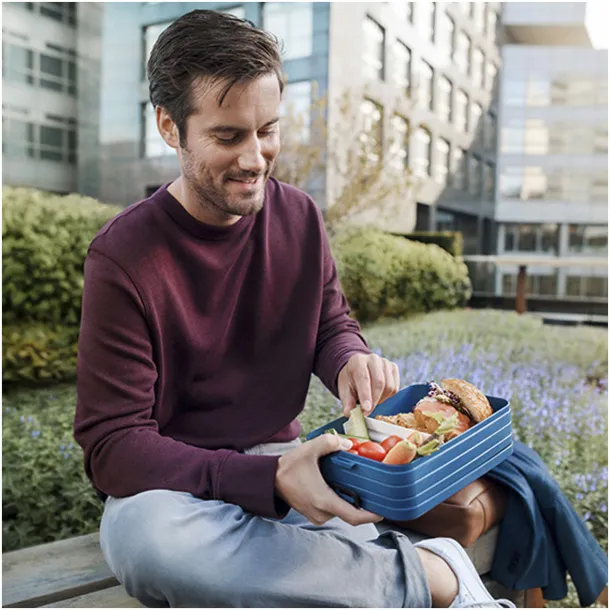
399, 148
445, 34
536, 140
292, 23
474, 180
51, 65
490, 133
443, 105
402, 66
153, 144
421, 152
296, 104
17, 138
461, 111
549, 238
476, 126
17, 64
442, 160
596, 287
372, 136
511, 183
534, 183
591, 240
459, 168
478, 62
513, 136
426, 84
513, 92
526, 240
461, 53
374, 49
538, 92
490, 181
59, 11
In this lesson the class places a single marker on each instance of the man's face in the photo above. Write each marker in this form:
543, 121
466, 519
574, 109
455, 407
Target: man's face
231, 150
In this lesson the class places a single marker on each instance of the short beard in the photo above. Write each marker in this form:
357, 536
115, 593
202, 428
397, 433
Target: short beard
213, 198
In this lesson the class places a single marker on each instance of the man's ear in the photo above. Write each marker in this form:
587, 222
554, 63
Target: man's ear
167, 128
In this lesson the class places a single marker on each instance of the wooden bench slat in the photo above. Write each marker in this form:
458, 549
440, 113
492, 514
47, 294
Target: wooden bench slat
115, 597
55, 571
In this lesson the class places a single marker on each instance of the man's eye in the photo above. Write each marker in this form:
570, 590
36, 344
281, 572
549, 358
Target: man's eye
266, 133
228, 140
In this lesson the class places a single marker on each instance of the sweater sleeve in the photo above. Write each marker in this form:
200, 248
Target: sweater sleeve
339, 336
116, 376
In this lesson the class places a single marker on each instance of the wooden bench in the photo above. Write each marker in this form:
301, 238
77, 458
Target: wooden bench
73, 574
66, 574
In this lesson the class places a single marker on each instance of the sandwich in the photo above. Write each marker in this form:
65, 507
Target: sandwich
454, 399
449, 409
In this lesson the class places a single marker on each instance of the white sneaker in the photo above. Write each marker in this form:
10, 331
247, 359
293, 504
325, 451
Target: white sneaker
471, 590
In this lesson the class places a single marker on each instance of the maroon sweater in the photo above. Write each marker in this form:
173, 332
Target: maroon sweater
198, 342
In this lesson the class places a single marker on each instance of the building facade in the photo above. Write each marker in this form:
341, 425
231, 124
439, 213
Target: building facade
50, 104
425, 71
552, 193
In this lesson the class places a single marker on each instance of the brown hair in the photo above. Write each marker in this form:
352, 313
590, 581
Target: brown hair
205, 43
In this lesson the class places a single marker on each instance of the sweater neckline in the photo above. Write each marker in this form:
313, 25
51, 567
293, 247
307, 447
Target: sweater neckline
189, 223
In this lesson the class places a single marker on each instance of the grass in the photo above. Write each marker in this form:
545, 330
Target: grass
555, 377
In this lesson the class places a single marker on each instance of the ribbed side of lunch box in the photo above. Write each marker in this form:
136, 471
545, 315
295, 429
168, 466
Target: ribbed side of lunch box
362, 474
412, 511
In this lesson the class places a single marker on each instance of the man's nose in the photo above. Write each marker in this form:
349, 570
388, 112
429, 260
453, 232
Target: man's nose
251, 157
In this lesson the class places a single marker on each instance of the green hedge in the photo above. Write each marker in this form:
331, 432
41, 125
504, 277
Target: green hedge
450, 241
44, 243
387, 276
37, 353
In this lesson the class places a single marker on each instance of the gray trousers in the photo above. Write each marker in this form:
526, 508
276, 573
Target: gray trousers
171, 549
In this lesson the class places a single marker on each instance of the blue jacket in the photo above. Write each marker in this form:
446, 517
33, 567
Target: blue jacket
541, 536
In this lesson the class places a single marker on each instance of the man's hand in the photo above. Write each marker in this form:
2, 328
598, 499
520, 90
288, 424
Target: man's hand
300, 484
367, 379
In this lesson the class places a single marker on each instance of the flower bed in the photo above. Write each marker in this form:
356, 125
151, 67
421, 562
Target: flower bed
555, 377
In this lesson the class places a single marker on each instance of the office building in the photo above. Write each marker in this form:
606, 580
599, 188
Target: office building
50, 103
552, 194
426, 71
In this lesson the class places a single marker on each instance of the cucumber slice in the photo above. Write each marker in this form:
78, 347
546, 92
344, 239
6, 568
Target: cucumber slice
356, 424
333, 432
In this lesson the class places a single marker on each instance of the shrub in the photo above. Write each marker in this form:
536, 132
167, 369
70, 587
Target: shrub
44, 242
36, 353
384, 275
46, 495
450, 241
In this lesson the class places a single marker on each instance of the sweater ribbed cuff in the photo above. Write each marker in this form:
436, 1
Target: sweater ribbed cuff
249, 482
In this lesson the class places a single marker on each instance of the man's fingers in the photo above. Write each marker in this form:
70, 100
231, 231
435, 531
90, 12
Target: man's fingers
362, 380
349, 513
346, 396
378, 379
325, 444
392, 381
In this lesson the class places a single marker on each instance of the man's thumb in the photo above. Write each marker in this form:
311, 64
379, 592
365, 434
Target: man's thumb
327, 443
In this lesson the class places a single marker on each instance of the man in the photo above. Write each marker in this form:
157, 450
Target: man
206, 308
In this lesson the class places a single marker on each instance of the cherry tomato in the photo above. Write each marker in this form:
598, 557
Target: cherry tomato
371, 450
388, 443
352, 451
355, 442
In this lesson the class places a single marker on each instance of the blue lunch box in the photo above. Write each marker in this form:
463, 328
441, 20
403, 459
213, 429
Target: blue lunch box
405, 492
